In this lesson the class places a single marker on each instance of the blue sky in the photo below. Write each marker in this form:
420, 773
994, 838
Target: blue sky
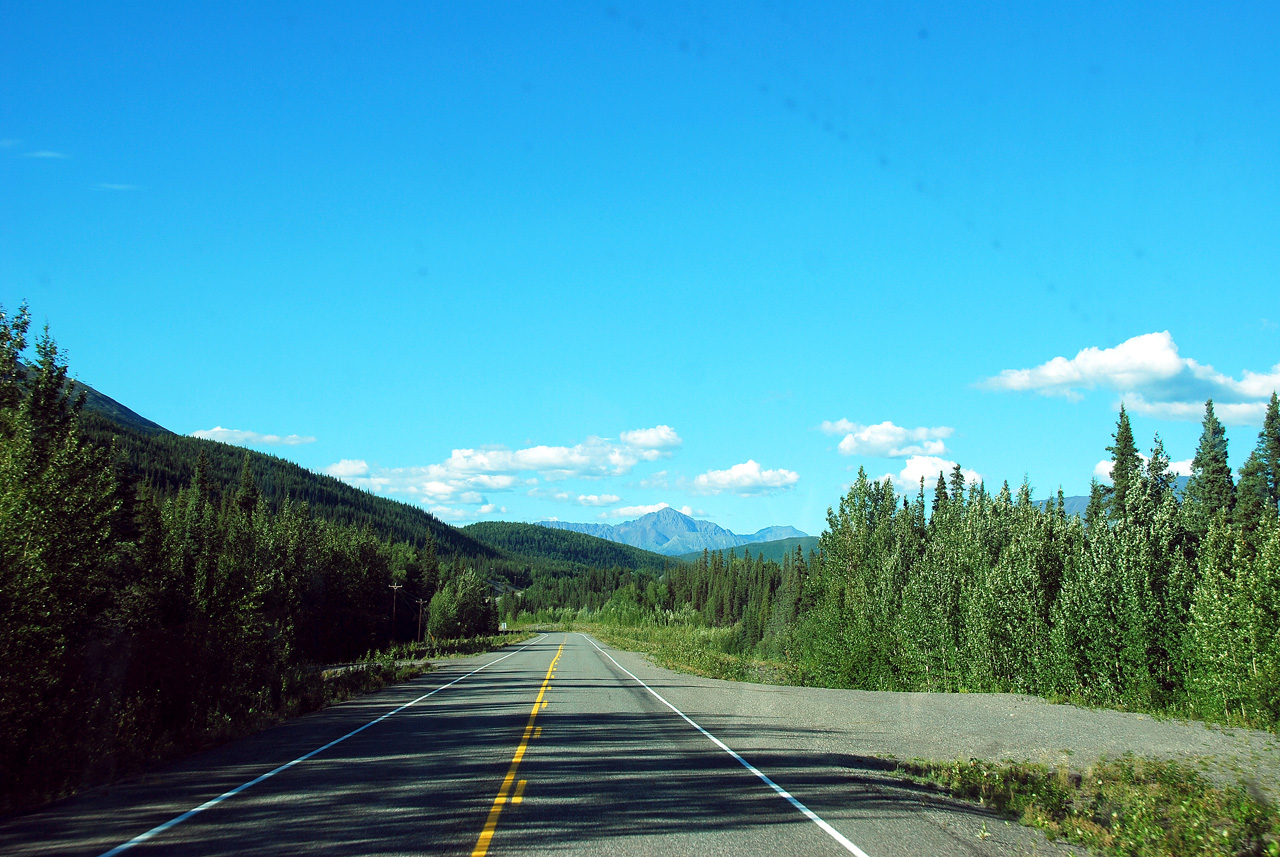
577, 260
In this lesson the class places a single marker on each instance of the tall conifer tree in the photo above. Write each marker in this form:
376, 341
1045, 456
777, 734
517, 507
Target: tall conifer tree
1159, 479
1125, 465
1270, 441
957, 483
940, 492
1252, 494
1210, 489
1097, 507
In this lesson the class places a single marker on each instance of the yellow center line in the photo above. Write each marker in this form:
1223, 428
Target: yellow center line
491, 824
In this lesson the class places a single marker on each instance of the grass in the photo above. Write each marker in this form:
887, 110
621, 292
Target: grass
1129, 806
701, 651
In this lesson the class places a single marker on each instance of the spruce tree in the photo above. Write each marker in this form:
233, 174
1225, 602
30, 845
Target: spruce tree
1159, 479
1252, 492
940, 492
13, 341
247, 496
957, 483
203, 483
1210, 490
1125, 465
1097, 507
1270, 441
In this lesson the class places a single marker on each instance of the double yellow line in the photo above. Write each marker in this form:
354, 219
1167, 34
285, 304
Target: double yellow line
491, 823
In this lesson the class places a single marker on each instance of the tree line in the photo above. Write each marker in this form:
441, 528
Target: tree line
1152, 600
136, 623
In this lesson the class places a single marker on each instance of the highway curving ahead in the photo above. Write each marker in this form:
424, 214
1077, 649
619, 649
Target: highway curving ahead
558, 746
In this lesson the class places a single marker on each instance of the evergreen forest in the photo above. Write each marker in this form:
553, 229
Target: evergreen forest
159, 594
141, 618
1150, 601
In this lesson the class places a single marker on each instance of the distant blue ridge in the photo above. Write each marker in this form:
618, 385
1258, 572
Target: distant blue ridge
672, 533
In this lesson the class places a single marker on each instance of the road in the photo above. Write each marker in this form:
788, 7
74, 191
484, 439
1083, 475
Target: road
560, 746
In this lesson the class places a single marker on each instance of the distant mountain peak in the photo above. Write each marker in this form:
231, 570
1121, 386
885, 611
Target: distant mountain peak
671, 532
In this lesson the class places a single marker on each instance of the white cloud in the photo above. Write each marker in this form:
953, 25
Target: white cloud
841, 426
1231, 413
597, 499
46, 154
448, 513
928, 467
886, 440
238, 437
745, 479
466, 473
1152, 378
348, 467
658, 437
657, 480
634, 511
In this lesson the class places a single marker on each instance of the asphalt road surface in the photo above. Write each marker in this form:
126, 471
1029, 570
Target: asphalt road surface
553, 747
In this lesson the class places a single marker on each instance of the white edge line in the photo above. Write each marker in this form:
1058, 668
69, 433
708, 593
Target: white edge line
783, 793
173, 822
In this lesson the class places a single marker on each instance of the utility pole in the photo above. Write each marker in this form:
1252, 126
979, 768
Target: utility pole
421, 602
394, 588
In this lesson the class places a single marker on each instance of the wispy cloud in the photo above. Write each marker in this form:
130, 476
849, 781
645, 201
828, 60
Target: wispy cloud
927, 467
239, 437
658, 437
348, 467
656, 480
467, 473
45, 153
459, 516
635, 511
746, 480
597, 499
886, 440
1152, 378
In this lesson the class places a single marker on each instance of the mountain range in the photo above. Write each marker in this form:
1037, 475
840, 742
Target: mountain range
672, 533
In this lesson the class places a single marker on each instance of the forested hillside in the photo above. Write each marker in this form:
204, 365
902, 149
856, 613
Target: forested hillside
564, 546
139, 621
166, 463
775, 550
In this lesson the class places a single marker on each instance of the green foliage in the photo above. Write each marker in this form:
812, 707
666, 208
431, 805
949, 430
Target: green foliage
1210, 491
564, 546
167, 463
1125, 465
1129, 806
1270, 442
1135, 609
462, 607
136, 623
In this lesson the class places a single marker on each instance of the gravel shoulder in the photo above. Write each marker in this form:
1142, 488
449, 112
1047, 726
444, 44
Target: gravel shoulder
949, 726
